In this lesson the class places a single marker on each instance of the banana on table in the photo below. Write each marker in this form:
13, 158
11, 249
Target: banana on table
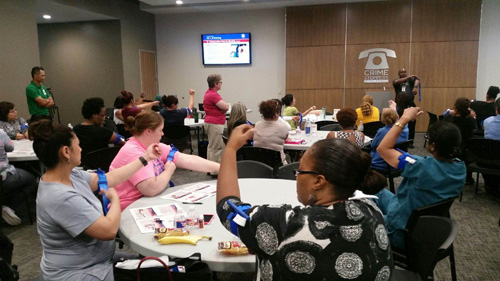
188, 239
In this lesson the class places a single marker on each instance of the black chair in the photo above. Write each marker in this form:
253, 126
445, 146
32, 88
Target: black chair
269, 157
402, 257
331, 127
179, 136
110, 113
433, 118
320, 124
286, 172
484, 157
109, 123
101, 158
254, 169
370, 129
389, 172
328, 113
122, 131
430, 238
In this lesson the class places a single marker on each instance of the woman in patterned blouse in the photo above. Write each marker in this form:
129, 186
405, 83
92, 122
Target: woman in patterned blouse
16, 128
333, 236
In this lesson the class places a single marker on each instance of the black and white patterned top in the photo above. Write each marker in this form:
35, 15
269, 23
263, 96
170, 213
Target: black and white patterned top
345, 241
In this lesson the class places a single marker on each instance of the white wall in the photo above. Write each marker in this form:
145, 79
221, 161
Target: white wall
488, 64
180, 64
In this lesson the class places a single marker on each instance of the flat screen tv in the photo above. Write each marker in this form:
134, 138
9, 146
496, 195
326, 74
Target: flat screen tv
226, 49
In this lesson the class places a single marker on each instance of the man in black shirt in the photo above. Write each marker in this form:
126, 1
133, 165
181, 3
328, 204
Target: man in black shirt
485, 109
408, 87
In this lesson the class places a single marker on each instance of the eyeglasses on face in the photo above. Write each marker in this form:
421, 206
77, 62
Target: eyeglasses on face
297, 172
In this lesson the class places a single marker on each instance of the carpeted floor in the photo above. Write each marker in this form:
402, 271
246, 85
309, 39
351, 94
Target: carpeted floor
476, 247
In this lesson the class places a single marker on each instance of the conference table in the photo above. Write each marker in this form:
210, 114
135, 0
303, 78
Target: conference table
307, 141
23, 151
276, 192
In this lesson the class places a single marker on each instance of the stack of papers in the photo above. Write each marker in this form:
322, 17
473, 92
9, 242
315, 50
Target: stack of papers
149, 218
193, 193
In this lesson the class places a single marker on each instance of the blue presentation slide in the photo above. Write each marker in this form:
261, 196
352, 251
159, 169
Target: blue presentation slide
226, 48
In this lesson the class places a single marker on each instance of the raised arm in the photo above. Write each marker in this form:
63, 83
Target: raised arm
147, 105
227, 181
191, 99
386, 147
309, 110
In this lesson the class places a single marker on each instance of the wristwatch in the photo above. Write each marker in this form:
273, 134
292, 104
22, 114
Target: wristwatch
143, 161
399, 125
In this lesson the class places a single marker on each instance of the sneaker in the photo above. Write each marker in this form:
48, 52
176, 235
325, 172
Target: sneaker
10, 216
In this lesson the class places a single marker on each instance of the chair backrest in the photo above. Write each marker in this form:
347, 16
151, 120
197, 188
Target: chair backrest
430, 238
101, 158
286, 172
110, 113
201, 107
370, 129
484, 151
254, 169
331, 127
320, 124
440, 209
110, 124
267, 156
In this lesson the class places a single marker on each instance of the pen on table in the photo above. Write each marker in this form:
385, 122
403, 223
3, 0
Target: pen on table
197, 203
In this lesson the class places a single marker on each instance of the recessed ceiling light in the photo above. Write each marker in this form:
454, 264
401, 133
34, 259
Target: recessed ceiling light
47, 17
179, 2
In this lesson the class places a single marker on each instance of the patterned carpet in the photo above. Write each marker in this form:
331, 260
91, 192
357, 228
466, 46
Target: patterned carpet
477, 246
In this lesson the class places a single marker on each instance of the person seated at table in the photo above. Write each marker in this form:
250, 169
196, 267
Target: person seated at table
491, 127
237, 117
15, 127
90, 132
147, 128
13, 181
290, 110
347, 118
131, 108
389, 118
271, 132
77, 238
367, 112
173, 115
462, 117
332, 237
426, 180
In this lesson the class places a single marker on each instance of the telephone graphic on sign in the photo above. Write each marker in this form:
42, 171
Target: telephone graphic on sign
380, 53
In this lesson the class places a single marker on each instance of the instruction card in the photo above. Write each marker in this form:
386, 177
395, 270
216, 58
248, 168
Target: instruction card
193, 193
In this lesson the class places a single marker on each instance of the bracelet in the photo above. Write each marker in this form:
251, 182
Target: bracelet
143, 161
399, 125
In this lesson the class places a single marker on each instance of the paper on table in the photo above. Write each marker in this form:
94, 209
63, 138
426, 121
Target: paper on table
193, 193
148, 218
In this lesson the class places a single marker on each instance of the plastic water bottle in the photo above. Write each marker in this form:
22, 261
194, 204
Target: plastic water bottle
180, 221
314, 129
360, 126
323, 112
308, 128
192, 218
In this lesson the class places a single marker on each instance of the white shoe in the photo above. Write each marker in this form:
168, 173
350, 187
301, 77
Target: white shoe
10, 216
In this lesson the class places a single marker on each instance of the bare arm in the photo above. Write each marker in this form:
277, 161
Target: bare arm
118, 114
227, 181
196, 163
155, 185
121, 174
222, 106
113, 139
41, 102
191, 99
386, 147
106, 227
401, 80
309, 110
147, 105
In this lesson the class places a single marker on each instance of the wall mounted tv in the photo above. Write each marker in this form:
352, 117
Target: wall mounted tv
226, 49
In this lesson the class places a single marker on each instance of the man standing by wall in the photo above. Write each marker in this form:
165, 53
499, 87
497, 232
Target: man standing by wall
38, 97
408, 87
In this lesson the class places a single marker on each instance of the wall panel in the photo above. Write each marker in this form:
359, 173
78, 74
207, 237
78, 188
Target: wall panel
316, 25
315, 67
445, 64
378, 22
446, 20
331, 98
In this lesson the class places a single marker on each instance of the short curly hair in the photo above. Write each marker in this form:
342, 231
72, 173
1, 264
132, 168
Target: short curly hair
170, 100
92, 106
213, 79
269, 108
347, 117
462, 105
5, 108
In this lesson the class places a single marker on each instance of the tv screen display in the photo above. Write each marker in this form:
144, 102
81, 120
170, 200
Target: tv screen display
228, 48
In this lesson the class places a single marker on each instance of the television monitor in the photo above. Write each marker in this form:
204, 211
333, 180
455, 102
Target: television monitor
226, 49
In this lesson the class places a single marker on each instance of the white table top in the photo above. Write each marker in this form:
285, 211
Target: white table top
309, 140
276, 191
190, 122
23, 151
